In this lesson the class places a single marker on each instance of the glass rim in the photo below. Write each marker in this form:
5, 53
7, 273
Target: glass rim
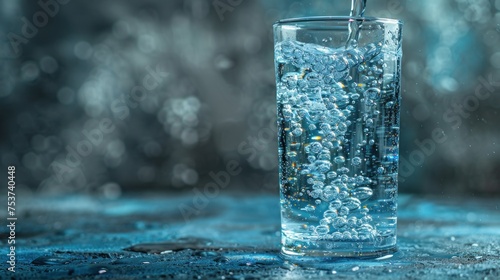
299, 20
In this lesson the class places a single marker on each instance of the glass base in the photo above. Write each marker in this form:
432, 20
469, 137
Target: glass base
328, 250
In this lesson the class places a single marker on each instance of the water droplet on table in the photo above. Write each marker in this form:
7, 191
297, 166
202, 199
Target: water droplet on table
50, 260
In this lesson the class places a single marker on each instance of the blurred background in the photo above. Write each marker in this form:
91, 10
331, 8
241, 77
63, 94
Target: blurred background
113, 97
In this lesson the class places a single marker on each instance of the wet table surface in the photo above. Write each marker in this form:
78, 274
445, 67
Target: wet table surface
236, 237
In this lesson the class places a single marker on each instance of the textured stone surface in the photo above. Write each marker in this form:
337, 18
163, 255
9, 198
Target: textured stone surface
237, 237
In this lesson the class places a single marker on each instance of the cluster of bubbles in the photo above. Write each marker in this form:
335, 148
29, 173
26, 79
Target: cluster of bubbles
319, 108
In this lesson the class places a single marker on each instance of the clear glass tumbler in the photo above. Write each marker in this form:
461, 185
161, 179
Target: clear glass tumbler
338, 99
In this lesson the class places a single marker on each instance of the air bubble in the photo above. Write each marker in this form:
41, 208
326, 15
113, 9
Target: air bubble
287, 114
315, 147
323, 166
352, 203
327, 144
362, 193
339, 159
318, 185
290, 80
343, 170
325, 127
365, 227
320, 178
352, 221
302, 84
342, 127
313, 80
334, 205
333, 188
339, 222
371, 50
354, 56
318, 67
296, 54
302, 113
287, 48
381, 170
337, 236
308, 208
324, 222
356, 161
314, 193
359, 180
344, 211
372, 93
307, 57
339, 63
346, 235
324, 156
329, 195
336, 113
330, 214
344, 178
330, 136
331, 174
322, 230
366, 233
352, 181
369, 122
297, 132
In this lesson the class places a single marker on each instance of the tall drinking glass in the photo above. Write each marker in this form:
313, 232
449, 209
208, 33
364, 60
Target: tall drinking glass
338, 105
